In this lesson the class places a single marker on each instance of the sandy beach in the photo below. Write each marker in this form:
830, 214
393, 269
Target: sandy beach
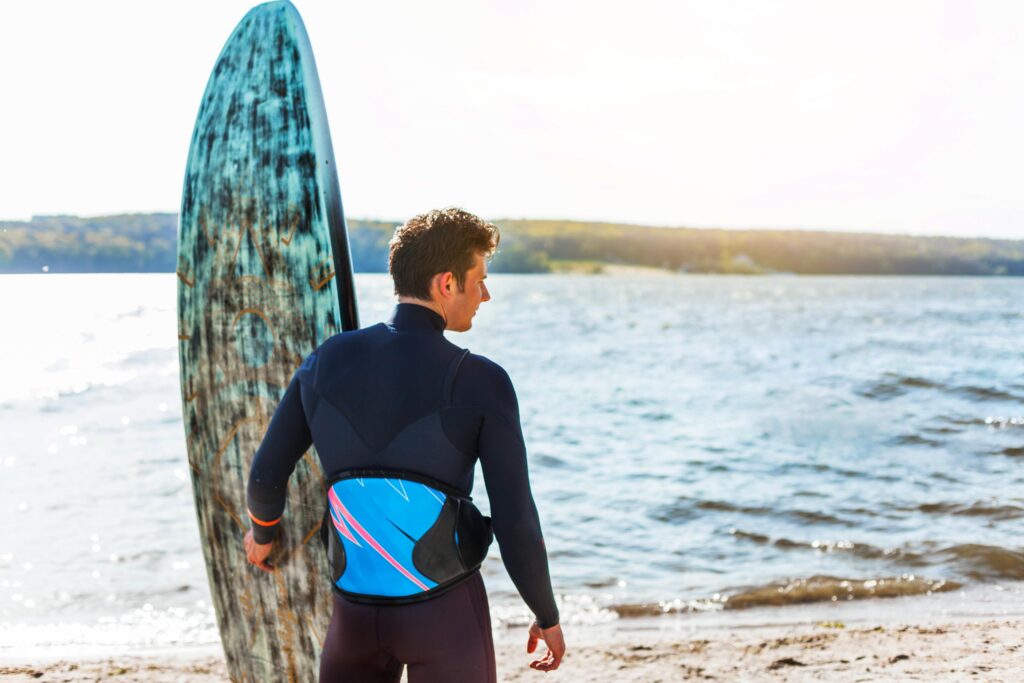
799, 644
977, 650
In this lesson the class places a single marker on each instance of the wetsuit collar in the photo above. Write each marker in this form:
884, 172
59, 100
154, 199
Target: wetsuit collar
407, 317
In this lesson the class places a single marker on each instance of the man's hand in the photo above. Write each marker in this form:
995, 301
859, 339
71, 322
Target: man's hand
552, 637
257, 553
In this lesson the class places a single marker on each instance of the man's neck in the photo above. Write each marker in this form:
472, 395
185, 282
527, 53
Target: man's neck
422, 302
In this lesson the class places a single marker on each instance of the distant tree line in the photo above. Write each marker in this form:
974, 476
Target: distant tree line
768, 251
147, 243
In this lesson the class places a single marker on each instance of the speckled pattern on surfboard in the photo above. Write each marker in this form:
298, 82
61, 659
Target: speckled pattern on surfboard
264, 277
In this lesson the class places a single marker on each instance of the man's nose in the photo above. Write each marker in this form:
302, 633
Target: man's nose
487, 294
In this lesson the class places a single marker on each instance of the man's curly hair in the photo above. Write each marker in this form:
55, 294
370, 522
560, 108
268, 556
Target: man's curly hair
435, 242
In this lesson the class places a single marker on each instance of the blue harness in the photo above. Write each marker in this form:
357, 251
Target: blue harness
398, 538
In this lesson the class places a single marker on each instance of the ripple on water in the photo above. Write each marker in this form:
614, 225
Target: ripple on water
893, 385
976, 562
829, 469
861, 550
991, 510
965, 420
914, 440
833, 589
984, 562
686, 508
986, 394
551, 461
1002, 422
942, 430
818, 588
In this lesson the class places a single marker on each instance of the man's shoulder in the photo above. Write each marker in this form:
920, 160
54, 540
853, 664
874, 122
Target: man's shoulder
350, 337
483, 364
339, 346
482, 371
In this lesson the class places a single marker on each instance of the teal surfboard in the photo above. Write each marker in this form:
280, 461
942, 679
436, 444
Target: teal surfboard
264, 277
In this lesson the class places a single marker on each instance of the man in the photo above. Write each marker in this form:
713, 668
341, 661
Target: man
399, 395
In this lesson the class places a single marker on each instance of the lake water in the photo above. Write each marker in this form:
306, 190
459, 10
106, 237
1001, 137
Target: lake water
696, 443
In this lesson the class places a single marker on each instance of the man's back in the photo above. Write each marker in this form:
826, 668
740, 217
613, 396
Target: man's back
377, 398
400, 396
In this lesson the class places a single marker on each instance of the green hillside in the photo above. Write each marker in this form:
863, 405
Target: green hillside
146, 243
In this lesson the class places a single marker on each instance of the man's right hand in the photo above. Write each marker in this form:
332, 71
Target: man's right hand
552, 637
257, 553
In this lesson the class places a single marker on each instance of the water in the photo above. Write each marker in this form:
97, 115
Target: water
696, 443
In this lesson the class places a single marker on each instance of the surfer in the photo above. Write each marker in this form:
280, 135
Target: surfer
400, 394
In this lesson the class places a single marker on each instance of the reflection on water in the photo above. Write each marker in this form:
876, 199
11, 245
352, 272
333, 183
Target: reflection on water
695, 443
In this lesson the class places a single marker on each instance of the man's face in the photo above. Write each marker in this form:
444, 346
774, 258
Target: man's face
462, 306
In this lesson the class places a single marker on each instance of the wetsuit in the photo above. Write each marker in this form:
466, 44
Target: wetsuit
374, 394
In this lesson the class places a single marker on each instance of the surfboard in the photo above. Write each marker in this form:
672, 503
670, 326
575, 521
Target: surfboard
264, 277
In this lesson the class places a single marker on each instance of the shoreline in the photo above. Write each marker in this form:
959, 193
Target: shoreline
946, 637
951, 651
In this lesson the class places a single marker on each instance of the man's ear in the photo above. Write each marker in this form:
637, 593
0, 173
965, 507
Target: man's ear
444, 284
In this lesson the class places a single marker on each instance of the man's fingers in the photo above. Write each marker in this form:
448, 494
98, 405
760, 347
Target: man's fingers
256, 553
548, 663
262, 561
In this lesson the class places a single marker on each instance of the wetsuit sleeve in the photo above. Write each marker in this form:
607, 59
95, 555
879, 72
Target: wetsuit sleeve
286, 440
514, 516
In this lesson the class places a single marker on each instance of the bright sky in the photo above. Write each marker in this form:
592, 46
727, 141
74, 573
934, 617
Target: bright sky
892, 116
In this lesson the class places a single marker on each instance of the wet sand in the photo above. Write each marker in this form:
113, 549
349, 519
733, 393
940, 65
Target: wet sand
959, 650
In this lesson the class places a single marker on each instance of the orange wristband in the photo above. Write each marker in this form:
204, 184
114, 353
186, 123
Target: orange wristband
260, 521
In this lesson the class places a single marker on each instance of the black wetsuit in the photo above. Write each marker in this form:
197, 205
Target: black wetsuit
351, 398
